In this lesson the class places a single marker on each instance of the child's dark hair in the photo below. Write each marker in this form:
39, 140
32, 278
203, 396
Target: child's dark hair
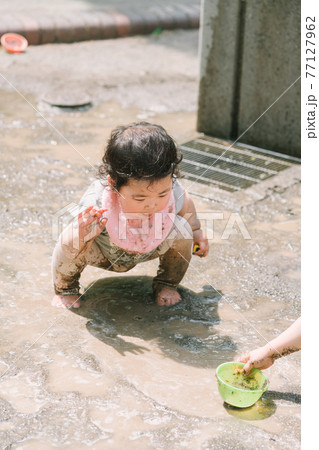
143, 151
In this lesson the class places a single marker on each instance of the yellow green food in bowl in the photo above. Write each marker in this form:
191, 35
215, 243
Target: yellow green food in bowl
239, 390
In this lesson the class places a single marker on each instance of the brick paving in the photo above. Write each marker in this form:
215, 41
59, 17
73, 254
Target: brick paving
115, 19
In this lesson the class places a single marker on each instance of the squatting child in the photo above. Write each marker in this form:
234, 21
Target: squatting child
135, 212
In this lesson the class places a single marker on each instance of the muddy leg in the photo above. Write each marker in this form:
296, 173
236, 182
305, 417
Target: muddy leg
66, 274
67, 266
172, 268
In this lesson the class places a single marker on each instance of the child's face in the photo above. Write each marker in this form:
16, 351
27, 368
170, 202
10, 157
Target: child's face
142, 197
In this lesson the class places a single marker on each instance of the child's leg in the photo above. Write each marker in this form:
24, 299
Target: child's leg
172, 268
67, 267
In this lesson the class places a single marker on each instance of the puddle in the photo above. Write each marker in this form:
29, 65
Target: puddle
22, 394
65, 375
121, 371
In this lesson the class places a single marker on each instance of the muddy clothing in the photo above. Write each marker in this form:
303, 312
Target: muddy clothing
93, 196
174, 252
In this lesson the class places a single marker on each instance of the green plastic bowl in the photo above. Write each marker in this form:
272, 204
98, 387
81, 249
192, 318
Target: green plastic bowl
237, 389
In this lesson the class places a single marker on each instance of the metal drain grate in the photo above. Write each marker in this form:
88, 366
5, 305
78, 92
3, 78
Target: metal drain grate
207, 160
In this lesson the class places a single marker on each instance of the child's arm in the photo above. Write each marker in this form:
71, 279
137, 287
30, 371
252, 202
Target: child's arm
79, 236
263, 357
189, 212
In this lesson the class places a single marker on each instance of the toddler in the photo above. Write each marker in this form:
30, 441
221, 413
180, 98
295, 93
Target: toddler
136, 211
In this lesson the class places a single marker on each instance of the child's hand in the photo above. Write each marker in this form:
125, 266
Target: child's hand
91, 223
261, 358
201, 242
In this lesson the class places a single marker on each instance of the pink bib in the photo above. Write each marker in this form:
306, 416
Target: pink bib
136, 232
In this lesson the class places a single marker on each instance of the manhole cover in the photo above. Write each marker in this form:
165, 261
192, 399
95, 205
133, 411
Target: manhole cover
216, 163
67, 98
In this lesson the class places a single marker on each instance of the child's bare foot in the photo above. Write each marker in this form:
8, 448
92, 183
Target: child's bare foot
66, 301
167, 296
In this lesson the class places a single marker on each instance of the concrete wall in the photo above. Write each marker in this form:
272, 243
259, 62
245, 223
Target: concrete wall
250, 55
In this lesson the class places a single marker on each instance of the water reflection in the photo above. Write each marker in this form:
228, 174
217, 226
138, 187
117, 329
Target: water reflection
262, 409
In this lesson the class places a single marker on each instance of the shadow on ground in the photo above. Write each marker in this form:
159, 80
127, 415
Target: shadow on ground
287, 396
119, 307
264, 408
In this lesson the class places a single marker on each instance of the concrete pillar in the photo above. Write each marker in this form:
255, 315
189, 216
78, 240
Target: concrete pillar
250, 60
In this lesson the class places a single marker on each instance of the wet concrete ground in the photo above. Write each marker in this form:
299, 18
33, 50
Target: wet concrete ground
121, 372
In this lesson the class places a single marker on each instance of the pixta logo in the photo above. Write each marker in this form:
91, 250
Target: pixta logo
64, 217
